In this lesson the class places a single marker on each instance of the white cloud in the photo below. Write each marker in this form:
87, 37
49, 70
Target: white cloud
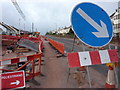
48, 14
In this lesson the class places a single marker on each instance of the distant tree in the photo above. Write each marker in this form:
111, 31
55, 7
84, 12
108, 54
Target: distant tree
21, 33
70, 32
49, 33
53, 33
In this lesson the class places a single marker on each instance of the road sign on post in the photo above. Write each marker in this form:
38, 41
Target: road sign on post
92, 25
12, 80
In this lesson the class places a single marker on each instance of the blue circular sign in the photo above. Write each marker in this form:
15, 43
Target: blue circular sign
92, 25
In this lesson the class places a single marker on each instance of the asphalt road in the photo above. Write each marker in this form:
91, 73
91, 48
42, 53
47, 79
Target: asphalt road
68, 43
77, 48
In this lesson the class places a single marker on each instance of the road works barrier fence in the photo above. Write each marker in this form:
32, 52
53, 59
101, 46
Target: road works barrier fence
34, 39
87, 58
44, 37
31, 64
40, 46
9, 37
57, 45
15, 38
77, 59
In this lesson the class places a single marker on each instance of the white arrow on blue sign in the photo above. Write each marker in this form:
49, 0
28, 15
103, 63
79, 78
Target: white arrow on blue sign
92, 24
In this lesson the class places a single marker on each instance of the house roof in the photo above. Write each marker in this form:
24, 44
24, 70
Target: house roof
11, 28
112, 14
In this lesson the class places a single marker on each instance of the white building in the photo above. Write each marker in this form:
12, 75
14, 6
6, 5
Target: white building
115, 17
62, 31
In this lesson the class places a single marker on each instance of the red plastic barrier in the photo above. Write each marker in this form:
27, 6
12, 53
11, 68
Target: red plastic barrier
10, 37
40, 46
34, 39
44, 37
57, 45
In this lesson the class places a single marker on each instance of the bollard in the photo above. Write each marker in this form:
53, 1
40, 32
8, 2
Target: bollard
110, 82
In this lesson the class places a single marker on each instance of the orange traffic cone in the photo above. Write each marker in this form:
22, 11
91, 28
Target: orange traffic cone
110, 82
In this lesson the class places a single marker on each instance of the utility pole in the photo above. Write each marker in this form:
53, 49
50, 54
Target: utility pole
56, 26
32, 27
19, 25
36, 29
24, 26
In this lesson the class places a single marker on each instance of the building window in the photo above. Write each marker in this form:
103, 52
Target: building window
116, 26
119, 25
118, 16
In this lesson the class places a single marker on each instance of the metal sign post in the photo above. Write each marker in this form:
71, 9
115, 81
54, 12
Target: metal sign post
114, 68
89, 79
73, 43
72, 51
87, 67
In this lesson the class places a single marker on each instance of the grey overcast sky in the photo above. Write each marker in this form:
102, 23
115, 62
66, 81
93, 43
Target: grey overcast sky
46, 15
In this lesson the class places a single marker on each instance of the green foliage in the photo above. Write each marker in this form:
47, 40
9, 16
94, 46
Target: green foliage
50, 33
70, 32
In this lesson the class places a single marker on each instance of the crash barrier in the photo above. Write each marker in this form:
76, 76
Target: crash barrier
57, 45
86, 58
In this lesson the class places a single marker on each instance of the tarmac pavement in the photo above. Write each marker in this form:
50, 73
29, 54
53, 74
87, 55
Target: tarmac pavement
55, 71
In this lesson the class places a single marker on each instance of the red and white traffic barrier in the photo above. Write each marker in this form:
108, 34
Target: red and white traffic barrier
12, 61
86, 58
19, 59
